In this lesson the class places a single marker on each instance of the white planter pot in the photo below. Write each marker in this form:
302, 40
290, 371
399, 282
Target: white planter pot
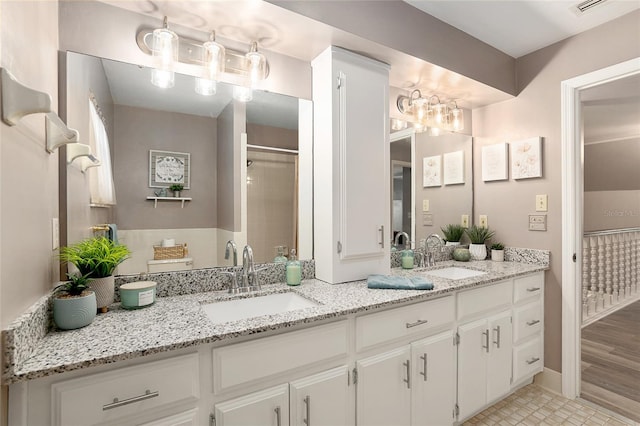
497, 255
478, 251
105, 291
453, 243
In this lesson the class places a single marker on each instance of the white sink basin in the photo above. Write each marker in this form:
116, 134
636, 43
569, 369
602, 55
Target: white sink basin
237, 309
455, 273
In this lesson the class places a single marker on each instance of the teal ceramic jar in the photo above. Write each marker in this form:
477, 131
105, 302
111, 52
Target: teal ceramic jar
74, 312
138, 294
462, 254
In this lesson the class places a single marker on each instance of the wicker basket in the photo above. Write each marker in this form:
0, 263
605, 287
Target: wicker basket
175, 252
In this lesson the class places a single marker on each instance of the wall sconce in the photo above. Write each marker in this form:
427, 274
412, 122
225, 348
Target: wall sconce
168, 49
430, 112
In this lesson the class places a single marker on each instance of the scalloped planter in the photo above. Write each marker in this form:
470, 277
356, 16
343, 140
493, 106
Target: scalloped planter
478, 251
74, 312
105, 291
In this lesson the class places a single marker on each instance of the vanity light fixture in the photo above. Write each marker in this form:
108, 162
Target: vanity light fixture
213, 58
431, 112
164, 49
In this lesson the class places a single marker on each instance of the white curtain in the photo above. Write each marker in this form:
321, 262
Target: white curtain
100, 178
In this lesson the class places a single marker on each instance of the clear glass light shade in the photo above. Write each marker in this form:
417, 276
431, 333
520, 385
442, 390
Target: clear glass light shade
242, 94
163, 79
397, 124
164, 49
213, 55
257, 64
206, 87
440, 114
457, 119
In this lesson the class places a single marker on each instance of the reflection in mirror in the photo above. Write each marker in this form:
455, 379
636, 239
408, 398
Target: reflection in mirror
444, 196
226, 200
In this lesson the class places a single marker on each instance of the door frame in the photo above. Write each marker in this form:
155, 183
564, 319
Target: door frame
572, 213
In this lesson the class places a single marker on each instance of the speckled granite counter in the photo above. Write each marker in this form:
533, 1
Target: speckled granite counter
179, 322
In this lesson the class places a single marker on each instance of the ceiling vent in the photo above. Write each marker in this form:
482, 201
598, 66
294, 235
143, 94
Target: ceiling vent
588, 5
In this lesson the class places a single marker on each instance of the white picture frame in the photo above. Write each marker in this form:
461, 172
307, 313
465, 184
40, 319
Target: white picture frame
431, 171
494, 162
453, 168
167, 168
526, 158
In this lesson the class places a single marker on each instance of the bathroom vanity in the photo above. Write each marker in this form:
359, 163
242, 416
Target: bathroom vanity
357, 357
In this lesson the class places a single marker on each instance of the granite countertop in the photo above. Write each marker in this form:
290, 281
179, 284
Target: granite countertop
179, 322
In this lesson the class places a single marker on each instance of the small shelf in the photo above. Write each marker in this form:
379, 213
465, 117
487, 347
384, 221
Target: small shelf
156, 199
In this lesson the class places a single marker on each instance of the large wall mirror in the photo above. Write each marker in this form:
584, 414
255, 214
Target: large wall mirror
249, 166
432, 182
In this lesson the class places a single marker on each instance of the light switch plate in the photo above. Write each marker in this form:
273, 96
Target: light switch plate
484, 222
541, 202
537, 222
427, 220
465, 221
425, 205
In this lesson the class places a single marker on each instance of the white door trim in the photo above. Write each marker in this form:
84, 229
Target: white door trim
572, 193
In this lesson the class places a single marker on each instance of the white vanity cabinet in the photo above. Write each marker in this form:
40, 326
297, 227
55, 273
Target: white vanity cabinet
528, 327
267, 407
351, 166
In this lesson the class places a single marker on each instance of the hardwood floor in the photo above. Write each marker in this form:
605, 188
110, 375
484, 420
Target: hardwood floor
611, 362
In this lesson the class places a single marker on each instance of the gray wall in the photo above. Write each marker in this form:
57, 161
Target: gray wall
138, 130
536, 112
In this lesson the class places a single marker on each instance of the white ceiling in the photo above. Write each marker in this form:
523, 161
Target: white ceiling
519, 27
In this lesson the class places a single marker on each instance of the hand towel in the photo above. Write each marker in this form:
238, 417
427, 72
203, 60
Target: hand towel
398, 283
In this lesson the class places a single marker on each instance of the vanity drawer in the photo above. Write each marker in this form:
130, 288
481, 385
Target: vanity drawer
527, 359
91, 399
527, 320
529, 286
395, 323
241, 363
491, 297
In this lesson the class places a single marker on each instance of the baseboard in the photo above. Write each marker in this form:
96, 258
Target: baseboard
550, 380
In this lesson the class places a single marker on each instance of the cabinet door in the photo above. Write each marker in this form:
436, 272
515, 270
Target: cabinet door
433, 387
186, 418
269, 407
473, 352
500, 358
322, 399
383, 391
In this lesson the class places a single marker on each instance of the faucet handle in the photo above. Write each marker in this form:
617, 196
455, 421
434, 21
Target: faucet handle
256, 281
233, 285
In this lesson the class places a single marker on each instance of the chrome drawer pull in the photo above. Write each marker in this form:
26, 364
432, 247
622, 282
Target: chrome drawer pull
408, 379
533, 360
278, 420
533, 322
117, 403
419, 322
532, 289
307, 403
486, 339
424, 366
497, 341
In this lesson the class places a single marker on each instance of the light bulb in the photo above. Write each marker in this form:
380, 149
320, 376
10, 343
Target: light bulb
213, 57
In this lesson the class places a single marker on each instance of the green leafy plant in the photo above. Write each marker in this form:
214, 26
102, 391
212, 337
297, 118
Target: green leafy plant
95, 257
478, 235
452, 232
76, 284
176, 187
497, 246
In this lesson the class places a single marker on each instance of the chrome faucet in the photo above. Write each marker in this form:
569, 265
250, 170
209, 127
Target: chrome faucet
249, 274
231, 244
396, 242
429, 253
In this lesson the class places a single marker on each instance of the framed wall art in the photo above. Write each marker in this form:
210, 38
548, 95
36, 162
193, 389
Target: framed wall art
494, 162
453, 167
167, 168
431, 171
526, 158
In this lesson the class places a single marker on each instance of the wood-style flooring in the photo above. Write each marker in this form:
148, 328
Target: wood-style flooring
611, 362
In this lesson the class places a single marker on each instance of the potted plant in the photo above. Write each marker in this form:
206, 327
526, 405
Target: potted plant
497, 252
452, 234
176, 188
74, 304
97, 258
478, 237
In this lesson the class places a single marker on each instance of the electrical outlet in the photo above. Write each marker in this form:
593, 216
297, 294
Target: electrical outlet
427, 220
55, 233
484, 222
425, 205
537, 222
465, 221
541, 203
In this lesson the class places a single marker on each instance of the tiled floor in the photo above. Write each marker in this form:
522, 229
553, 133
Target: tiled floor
533, 405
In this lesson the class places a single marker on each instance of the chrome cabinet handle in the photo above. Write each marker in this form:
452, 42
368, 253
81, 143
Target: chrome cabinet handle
381, 229
497, 341
419, 322
307, 403
533, 360
408, 379
278, 420
117, 403
486, 339
532, 289
423, 373
532, 322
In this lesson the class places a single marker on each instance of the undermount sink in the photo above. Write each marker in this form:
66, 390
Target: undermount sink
237, 309
455, 273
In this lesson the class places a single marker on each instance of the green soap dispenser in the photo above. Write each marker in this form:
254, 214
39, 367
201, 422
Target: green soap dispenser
293, 270
407, 259
280, 258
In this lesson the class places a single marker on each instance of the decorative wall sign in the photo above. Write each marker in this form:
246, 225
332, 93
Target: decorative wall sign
431, 171
494, 162
453, 165
167, 168
526, 158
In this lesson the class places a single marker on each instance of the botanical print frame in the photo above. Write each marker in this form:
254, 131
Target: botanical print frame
494, 162
167, 168
431, 171
453, 167
526, 158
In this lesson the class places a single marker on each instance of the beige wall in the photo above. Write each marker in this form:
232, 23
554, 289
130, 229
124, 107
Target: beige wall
536, 112
138, 130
